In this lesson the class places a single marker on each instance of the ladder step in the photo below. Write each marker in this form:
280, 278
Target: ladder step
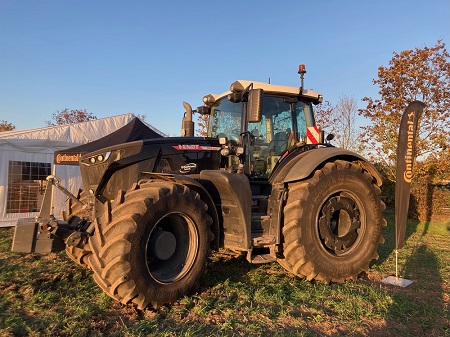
262, 258
263, 240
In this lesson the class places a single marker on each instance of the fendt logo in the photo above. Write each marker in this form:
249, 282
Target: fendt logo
187, 147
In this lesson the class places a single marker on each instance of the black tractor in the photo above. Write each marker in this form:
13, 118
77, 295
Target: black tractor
264, 182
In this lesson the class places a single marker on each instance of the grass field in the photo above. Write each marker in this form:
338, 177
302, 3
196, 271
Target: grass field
49, 295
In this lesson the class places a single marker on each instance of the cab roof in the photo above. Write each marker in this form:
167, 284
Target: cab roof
272, 89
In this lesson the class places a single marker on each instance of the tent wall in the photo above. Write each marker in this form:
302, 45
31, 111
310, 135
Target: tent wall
39, 146
69, 175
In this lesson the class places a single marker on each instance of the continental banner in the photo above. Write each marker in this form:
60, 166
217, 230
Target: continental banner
406, 151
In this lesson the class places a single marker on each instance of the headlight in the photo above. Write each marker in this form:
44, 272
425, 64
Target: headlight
99, 158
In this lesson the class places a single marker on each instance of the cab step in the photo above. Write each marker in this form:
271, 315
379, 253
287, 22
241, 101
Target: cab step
260, 258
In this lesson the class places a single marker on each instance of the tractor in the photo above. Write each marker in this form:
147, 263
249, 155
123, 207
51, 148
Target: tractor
265, 182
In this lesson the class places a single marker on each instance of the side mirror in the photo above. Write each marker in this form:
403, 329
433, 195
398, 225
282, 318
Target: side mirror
254, 106
204, 110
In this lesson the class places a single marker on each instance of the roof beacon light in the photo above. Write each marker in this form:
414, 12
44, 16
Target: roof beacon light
302, 72
301, 69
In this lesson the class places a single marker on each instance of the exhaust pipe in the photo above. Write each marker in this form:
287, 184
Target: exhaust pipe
188, 125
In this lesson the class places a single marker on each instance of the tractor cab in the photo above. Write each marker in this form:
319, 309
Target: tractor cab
258, 122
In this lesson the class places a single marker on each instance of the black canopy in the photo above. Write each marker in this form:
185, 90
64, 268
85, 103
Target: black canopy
135, 130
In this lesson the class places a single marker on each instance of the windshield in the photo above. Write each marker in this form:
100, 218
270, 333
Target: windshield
276, 122
278, 129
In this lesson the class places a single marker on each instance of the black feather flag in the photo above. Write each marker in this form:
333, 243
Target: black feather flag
406, 151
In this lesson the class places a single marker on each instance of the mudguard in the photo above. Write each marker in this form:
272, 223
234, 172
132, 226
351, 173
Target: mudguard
302, 166
200, 189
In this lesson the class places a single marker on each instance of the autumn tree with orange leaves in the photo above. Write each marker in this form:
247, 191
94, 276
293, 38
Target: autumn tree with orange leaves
202, 122
6, 126
67, 116
421, 74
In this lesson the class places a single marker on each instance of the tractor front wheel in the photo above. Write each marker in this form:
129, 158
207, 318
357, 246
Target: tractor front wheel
74, 214
152, 244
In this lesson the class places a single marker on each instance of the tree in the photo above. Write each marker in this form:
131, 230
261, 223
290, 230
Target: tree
347, 133
420, 74
67, 116
202, 122
6, 126
340, 120
324, 115
141, 117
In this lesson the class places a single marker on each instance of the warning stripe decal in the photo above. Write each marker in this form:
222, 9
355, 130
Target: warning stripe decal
313, 135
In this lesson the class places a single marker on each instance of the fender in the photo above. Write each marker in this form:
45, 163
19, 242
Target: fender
197, 187
303, 165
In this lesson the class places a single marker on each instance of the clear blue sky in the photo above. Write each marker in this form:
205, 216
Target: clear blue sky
147, 57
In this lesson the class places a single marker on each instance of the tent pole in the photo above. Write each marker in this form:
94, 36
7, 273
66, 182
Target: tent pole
51, 204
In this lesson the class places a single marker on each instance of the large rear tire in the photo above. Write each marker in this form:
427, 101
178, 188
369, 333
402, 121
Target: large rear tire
332, 224
151, 245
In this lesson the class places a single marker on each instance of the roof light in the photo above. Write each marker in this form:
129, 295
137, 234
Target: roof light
236, 87
209, 100
301, 69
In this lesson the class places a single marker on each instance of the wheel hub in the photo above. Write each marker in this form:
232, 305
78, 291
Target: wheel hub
338, 224
162, 244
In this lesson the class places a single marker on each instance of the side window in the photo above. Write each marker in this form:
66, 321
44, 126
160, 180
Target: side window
300, 110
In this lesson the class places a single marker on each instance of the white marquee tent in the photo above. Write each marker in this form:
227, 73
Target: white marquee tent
29, 154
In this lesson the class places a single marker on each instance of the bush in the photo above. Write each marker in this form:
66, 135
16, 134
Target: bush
428, 200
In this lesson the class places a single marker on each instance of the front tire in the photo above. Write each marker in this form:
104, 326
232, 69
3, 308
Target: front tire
333, 224
151, 247
74, 214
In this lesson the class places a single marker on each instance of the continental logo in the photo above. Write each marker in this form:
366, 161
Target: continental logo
60, 158
409, 158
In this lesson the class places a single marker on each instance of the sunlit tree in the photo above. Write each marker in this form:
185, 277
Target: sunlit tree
420, 74
202, 123
341, 120
6, 126
67, 116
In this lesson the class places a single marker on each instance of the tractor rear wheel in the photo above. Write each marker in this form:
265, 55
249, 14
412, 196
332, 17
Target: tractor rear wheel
151, 245
333, 224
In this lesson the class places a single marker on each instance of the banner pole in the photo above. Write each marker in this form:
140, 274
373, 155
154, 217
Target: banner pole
406, 151
396, 264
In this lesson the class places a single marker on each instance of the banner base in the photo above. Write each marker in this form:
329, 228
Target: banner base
397, 281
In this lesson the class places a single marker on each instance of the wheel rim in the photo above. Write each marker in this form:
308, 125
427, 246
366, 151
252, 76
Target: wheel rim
340, 224
172, 248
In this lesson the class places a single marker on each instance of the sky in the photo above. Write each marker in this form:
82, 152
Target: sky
147, 57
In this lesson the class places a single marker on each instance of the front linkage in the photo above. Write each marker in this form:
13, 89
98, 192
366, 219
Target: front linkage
45, 234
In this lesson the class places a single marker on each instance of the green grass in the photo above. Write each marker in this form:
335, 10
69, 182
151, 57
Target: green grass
49, 295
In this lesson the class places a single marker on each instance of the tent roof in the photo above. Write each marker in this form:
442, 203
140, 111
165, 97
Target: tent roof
78, 133
134, 130
60, 137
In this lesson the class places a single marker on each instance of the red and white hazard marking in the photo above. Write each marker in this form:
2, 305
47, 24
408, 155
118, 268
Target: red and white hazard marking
312, 135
